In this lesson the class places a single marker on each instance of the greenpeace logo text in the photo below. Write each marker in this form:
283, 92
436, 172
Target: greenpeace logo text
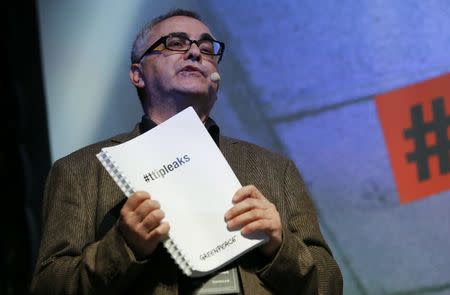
219, 248
166, 169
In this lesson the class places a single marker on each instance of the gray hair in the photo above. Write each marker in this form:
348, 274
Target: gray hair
140, 43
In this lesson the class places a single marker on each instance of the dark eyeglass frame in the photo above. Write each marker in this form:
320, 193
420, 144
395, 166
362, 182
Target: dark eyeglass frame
163, 40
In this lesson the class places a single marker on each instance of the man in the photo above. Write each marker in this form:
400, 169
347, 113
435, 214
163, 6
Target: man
97, 241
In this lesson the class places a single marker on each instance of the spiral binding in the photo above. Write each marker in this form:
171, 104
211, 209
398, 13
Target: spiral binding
178, 256
116, 174
176, 253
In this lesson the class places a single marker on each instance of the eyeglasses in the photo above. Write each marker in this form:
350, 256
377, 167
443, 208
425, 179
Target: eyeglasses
181, 43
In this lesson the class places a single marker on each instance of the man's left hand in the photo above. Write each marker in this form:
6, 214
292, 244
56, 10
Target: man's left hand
253, 213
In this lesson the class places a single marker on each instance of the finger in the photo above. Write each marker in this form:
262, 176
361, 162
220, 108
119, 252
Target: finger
249, 191
160, 233
246, 218
241, 207
128, 221
260, 225
145, 208
244, 206
135, 200
127, 215
152, 220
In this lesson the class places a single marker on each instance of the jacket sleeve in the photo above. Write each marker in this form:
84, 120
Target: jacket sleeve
304, 263
70, 260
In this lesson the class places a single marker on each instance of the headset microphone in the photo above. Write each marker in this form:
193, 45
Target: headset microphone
215, 77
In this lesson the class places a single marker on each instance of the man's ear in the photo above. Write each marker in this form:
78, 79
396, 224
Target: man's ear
136, 76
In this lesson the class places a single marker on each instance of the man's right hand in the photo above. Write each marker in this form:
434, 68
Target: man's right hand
140, 224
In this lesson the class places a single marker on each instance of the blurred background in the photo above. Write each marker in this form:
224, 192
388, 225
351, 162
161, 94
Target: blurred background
357, 93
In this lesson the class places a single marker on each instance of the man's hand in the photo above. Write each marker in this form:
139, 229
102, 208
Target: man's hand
253, 213
140, 224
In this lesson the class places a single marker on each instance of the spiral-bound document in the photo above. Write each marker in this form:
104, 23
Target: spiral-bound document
180, 165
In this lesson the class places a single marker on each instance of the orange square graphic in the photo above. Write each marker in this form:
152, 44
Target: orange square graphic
416, 123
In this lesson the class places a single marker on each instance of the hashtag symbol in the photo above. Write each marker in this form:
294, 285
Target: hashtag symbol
417, 132
146, 178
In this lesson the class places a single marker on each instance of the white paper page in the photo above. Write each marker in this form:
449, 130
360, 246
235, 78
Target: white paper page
195, 190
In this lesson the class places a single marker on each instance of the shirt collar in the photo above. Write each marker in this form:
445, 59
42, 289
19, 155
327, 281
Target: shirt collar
213, 129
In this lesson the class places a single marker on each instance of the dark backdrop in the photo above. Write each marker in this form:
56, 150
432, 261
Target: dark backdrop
24, 156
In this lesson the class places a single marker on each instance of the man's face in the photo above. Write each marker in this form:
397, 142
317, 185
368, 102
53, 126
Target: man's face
168, 72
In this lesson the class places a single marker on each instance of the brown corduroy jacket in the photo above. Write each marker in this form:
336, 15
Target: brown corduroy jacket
82, 251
